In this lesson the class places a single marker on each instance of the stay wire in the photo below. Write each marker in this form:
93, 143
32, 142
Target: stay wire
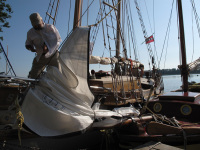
192, 39
51, 10
103, 24
154, 31
47, 10
196, 16
134, 41
85, 12
132, 32
167, 33
69, 17
155, 52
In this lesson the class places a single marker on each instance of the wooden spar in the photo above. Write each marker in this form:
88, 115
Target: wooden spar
184, 68
118, 29
77, 13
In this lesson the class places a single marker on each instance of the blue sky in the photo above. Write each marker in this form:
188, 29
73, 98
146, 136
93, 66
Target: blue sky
21, 59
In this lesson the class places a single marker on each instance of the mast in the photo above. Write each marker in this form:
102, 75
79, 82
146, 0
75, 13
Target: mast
184, 68
7, 60
118, 29
77, 13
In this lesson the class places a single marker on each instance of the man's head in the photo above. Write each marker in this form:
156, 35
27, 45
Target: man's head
36, 21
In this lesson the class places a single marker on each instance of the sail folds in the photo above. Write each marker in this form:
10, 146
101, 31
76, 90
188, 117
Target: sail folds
61, 102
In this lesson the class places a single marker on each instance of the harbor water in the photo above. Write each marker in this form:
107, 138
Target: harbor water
173, 82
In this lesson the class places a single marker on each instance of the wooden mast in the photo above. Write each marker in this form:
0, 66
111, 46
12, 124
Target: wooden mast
77, 14
118, 29
184, 68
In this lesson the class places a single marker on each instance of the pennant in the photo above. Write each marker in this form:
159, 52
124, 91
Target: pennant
149, 39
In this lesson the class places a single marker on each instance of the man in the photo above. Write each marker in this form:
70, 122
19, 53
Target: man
44, 39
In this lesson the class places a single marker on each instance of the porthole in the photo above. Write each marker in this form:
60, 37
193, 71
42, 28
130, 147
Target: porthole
157, 107
186, 109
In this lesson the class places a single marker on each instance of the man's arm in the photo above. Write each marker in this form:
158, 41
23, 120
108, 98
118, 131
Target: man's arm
31, 48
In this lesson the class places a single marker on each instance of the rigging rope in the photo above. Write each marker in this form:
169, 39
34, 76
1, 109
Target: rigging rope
7, 60
192, 39
196, 15
69, 16
132, 32
47, 10
167, 34
145, 34
51, 11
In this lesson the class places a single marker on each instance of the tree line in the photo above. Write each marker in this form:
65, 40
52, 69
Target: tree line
175, 71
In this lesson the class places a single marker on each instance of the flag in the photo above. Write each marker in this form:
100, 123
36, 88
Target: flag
149, 39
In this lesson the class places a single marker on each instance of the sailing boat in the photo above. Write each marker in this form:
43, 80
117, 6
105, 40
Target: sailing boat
125, 84
57, 109
183, 100
180, 123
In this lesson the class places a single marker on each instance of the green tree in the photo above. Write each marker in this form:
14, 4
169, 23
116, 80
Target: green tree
5, 13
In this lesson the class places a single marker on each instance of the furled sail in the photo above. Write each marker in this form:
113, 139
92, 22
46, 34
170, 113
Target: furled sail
195, 65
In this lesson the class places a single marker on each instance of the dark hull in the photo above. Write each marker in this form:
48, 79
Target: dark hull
89, 140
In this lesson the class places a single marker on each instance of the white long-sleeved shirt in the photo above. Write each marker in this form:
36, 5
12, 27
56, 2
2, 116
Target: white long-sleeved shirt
48, 35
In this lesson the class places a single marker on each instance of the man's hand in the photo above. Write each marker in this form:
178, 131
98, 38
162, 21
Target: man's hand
29, 47
45, 48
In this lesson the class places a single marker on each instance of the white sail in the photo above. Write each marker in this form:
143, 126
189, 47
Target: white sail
61, 102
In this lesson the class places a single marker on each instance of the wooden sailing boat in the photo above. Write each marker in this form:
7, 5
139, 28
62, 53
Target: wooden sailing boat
183, 100
123, 85
57, 109
180, 123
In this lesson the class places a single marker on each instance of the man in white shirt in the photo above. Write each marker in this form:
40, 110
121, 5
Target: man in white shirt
44, 39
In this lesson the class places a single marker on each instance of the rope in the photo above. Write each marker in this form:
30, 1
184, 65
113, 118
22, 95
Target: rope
47, 10
192, 39
85, 12
133, 32
69, 17
196, 16
104, 16
20, 119
103, 25
167, 33
10, 66
51, 11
